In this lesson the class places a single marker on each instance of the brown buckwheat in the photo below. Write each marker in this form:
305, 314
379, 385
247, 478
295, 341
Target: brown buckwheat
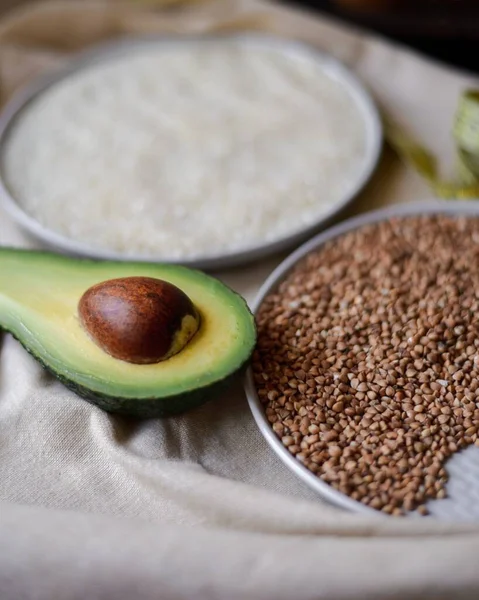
368, 358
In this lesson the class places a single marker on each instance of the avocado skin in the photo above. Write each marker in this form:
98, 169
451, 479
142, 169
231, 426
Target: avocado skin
142, 408
139, 408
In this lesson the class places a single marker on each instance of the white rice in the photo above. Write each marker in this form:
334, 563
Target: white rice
189, 150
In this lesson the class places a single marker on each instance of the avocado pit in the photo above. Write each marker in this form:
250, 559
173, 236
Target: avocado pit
140, 320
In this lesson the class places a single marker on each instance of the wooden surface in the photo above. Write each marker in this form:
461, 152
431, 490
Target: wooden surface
446, 30
440, 19
8, 4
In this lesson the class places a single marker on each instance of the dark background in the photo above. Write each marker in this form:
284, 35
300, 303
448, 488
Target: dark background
444, 29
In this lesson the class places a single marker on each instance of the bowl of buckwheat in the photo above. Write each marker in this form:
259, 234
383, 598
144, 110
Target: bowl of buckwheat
365, 380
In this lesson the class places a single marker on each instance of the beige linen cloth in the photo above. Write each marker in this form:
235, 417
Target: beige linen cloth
99, 507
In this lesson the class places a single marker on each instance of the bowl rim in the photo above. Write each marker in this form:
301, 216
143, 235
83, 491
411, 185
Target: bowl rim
109, 50
422, 207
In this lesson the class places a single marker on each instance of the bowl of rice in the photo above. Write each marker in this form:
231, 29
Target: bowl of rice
205, 151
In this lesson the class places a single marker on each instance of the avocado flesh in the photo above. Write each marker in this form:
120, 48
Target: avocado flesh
39, 295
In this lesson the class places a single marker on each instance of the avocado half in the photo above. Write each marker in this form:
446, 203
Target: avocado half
39, 296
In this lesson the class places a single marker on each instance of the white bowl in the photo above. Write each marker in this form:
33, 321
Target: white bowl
59, 242
463, 467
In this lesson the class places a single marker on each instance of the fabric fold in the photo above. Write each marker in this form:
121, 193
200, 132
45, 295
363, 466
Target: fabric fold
97, 506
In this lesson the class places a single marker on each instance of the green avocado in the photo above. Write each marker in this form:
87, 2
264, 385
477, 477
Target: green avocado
39, 297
